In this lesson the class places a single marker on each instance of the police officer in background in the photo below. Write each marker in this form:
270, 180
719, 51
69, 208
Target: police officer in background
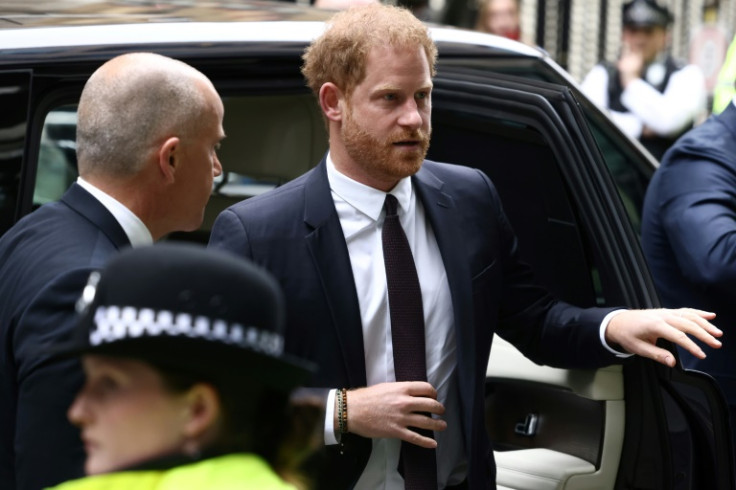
649, 94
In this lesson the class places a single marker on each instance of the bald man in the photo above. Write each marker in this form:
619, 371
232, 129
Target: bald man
147, 133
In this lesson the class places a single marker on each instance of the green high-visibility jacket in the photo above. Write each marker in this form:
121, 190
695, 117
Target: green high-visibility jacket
230, 472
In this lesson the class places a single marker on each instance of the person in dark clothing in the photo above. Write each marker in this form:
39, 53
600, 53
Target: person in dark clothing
147, 130
689, 231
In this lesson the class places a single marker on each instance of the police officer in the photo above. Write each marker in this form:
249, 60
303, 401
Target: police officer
187, 382
649, 94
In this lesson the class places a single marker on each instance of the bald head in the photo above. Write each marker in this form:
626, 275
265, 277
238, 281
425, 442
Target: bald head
131, 104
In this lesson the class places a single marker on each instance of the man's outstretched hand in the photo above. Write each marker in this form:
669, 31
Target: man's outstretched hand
637, 332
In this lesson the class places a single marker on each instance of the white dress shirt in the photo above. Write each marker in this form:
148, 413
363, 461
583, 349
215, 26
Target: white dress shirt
137, 232
360, 210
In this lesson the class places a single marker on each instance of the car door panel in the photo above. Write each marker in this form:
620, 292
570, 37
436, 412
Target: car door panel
533, 142
580, 422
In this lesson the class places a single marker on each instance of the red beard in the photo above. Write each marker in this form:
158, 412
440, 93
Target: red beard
384, 158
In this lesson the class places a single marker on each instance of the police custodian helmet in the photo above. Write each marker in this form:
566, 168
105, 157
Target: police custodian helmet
180, 306
645, 13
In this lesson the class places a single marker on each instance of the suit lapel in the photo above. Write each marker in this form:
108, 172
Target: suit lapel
86, 205
445, 218
326, 243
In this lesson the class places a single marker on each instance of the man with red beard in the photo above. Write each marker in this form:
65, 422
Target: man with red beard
401, 349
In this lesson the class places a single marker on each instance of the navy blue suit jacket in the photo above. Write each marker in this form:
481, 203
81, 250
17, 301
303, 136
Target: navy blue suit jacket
295, 233
45, 260
689, 234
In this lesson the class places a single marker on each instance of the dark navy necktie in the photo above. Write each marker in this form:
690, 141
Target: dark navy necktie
407, 335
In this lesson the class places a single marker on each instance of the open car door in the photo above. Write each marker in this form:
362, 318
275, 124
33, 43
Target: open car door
639, 425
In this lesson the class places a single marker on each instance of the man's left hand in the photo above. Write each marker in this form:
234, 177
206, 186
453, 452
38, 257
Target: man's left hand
637, 331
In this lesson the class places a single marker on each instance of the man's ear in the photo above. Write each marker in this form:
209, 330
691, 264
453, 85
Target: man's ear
168, 154
203, 411
331, 99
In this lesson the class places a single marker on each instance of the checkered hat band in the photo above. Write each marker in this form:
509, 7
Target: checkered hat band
114, 323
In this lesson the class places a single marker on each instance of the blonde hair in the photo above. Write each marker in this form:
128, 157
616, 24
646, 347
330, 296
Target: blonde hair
339, 54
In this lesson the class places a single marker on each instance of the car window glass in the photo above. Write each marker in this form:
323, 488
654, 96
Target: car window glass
57, 163
628, 172
629, 169
521, 164
57, 155
270, 140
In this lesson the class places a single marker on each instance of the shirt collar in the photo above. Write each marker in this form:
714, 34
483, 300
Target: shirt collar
366, 199
134, 228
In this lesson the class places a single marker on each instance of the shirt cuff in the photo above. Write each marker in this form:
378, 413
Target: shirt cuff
330, 438
604, 326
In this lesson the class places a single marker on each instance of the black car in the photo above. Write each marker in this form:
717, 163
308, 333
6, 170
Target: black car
571, 183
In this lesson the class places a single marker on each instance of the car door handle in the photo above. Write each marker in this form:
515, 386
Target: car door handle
528, 427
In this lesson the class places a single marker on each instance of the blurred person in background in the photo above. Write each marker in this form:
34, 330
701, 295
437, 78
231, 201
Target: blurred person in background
650, 95
187, 383
500, 17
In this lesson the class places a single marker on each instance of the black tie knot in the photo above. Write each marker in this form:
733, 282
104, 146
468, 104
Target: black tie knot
390, 205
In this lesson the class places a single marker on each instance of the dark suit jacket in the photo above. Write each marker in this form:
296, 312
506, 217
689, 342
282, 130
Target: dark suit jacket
45, 260
689, 234
295, 233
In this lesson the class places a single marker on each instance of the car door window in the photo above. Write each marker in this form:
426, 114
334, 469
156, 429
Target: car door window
630, 166
271, 140
57, 155
522, 166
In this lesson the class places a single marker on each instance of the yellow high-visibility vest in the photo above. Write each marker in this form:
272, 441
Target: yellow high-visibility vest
726, 86
230, 472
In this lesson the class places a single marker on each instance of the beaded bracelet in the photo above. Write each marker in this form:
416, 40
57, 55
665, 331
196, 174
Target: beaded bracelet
339, 398
343, 413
